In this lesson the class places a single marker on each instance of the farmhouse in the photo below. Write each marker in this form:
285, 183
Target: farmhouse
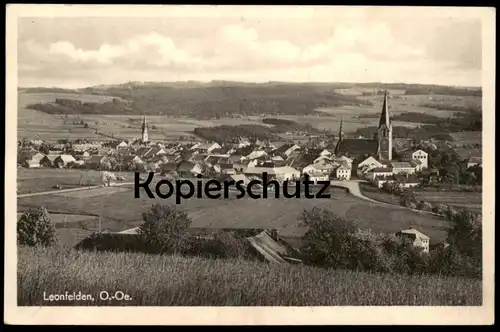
473, 161
370, 162
379, 172
256, 154
63, 160
188, 169
227, 169
402, 167
131, 159
95, 161
81, 155
422, 157
207, 147
31, 159
343, 173
286, 150
280, 173
418, 239
403, 180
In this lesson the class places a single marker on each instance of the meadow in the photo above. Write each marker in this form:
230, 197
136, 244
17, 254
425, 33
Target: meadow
34, 124
465, 200
43, 179
153, 280
120, 210
459, 199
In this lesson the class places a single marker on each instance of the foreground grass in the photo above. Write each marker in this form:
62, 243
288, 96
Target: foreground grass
179, 281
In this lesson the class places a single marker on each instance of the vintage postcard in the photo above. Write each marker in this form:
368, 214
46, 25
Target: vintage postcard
249, 165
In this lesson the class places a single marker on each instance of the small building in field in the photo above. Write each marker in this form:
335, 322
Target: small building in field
418, 239
31, 159
473, 161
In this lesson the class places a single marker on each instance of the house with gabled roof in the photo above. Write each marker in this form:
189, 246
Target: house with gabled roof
473, 161
63, 160
417, 238
30, 159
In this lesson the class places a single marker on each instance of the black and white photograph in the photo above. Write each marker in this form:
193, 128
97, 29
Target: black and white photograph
250, 157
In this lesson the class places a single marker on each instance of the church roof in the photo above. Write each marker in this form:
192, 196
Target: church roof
357, 147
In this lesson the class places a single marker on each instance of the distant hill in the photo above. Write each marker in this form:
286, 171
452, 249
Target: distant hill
225, 98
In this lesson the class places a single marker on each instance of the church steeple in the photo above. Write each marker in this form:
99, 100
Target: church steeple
384, 132
384, 117
341, 138
341, 130
144, 128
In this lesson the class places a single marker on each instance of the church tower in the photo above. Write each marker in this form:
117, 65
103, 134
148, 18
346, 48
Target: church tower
144, 136
384, 133
341, 137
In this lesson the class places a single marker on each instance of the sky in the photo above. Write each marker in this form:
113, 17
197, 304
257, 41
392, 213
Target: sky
75, 52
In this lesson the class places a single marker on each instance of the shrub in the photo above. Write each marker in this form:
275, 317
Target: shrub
112, 242
165, 229
35, 228
328, 240
424, 206
221, 245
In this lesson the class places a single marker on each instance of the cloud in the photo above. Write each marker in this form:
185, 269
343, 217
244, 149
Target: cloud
372, 51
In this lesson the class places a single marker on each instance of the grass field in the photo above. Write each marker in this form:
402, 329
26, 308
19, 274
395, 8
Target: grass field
468, 137
465, 200
179, 281
38, 125
123, 211
43, 179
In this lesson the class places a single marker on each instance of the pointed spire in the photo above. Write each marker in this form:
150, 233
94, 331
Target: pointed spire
341, 129
384, 117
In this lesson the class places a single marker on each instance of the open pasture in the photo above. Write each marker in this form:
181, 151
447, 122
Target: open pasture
94, 192
248, 213
34, 124
467, 137
417, 103
465, 200
43, 179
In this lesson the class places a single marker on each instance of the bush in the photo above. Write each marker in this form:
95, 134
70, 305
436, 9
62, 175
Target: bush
112, 242
424, 206
35, 228
328, 240
222, 245
165, 229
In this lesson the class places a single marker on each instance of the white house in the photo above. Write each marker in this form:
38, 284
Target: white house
208, 147
402, 167
421, 156
243, 142
280, 173
419, 239
318, 169
64, 160
322, 158
325, 153
256, 154
379, 172
370, 161
342, 172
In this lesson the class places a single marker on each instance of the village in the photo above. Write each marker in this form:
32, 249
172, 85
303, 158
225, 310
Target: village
345, 164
